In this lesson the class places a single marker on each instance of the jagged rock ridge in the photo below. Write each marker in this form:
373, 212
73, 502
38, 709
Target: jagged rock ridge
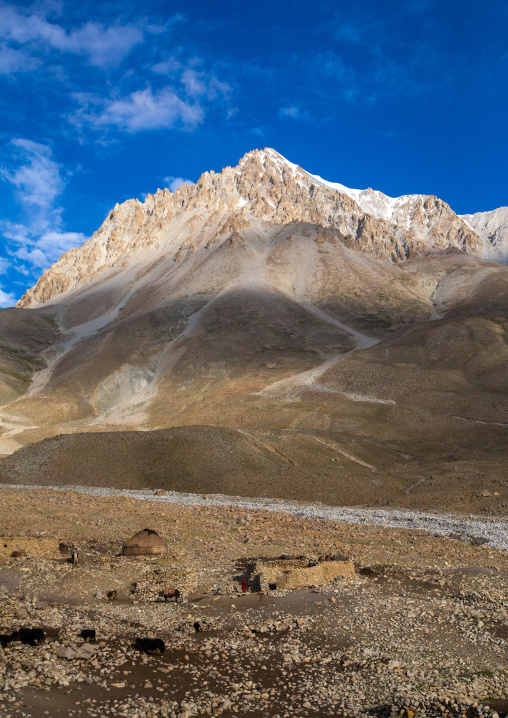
264, 186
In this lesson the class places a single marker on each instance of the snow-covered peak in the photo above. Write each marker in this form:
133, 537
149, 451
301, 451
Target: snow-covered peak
272, 155
493, 229
371, 201
280, 160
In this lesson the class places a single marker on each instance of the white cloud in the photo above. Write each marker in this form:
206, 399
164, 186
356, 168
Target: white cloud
41, 251
175, 182
38, 181
14, 60
103, 46
194, 83
258, 131
290, 111
7, 299
167, 67
142, 110
4, 265
39, 239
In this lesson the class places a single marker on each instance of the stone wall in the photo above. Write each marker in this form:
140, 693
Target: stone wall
296, 573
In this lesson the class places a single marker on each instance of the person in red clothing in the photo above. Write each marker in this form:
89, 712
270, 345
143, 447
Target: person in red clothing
244, 584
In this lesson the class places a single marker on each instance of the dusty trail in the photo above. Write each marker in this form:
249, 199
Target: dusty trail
353, 397
308, 378
333, 445
479, 421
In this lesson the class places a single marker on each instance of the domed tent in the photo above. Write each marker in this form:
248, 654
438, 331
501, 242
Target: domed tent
144, 543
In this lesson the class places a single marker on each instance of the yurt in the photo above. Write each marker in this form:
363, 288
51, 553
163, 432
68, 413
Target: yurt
144, 543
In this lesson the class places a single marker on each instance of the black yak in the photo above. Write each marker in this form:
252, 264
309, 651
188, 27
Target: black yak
148, 645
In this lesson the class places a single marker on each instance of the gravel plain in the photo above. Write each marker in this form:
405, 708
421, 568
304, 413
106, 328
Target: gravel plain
491, 531
419, 630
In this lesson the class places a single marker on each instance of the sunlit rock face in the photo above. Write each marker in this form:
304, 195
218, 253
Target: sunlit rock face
264, 187
493, 229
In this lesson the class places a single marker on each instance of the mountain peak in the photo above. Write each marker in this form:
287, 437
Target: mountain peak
263, 190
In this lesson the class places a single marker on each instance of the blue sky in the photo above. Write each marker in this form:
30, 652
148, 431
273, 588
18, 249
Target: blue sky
103, 101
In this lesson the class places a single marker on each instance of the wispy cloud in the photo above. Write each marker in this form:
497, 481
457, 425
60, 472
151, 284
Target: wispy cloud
378, 58
258, 131
39, 249
36, 179
174, 183
198, 83
14, 60
390, 134
291, 111
354, 33
139, 111
7, 299
39, 238
179, 105
102, 45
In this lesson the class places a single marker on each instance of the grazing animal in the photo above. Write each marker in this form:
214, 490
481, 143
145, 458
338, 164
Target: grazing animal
203, 625
88, 634
112, 595
29, 636
148, 645
167, 593
5, 639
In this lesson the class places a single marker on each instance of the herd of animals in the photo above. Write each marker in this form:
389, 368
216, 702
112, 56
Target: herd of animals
35, 636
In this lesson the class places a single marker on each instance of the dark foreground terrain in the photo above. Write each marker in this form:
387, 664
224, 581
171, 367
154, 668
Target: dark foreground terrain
419, 629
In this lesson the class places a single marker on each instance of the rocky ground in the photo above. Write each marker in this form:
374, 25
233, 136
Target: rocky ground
419, 630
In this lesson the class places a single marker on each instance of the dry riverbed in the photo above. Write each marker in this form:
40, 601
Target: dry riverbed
420, 629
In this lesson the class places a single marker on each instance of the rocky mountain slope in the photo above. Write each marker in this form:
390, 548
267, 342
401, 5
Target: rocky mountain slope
492, 227
266, 187
335, 334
